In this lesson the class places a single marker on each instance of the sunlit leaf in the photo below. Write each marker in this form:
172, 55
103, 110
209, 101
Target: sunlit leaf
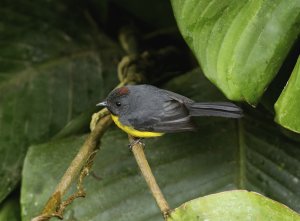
233, 206
239, 44
287, 106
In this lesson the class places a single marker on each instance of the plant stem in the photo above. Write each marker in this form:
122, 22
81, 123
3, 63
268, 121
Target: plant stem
140, 157
89, 146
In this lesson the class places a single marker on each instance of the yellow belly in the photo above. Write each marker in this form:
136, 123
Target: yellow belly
132, 131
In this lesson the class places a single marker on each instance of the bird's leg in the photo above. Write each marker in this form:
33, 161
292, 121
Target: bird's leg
135, 141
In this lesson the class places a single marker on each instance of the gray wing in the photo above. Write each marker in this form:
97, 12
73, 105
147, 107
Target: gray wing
170, 115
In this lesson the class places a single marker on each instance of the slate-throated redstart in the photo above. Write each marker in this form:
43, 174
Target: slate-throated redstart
147, 111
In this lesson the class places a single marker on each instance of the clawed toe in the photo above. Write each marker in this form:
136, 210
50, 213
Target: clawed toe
136, 141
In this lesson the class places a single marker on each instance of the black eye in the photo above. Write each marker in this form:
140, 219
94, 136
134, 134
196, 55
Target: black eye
118, 104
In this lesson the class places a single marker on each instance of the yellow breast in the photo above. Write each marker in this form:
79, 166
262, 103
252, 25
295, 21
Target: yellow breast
134, 132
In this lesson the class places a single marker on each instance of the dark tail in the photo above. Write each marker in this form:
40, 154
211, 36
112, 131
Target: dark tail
218, 109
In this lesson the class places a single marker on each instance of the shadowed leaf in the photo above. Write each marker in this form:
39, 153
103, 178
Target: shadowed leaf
10, 210
53, 66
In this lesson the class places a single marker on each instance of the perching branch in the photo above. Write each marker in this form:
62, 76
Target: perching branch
132, 69
140, 157
55, 207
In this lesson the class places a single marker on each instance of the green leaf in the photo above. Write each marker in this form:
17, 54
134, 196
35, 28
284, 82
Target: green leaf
54, 64
224, 154
10, 210
239, 44
234, 206
287, 106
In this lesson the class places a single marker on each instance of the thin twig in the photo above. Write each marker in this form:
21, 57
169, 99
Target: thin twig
140, 157
55, 206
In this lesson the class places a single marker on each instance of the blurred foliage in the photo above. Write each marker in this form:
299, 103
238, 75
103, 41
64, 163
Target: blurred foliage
59, 58
53, 66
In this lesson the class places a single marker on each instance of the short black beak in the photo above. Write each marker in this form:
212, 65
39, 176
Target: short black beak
102, 104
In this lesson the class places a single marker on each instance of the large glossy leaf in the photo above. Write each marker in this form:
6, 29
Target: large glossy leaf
53, 65
287, 106
233, 206
223, 154
239, 44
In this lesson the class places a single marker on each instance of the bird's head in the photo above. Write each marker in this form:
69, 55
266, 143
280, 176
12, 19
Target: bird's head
117, 101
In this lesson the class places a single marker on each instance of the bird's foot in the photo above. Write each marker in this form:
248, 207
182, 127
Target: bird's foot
136, 141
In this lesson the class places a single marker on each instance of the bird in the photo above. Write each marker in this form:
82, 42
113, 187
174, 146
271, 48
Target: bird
145, 111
